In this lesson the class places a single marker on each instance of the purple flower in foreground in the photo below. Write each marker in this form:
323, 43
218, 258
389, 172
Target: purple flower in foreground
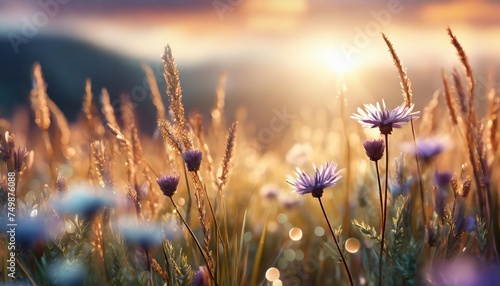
374, 149
168, 184
81, 199
463, 271
201, 277
375, 116
192, 157
324, 177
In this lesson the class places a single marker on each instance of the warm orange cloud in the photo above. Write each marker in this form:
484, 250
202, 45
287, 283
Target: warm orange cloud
276, 15
470, 11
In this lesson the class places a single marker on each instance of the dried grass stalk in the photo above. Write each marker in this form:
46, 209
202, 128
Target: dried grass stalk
155, 92
168, 133
493, 122
431, 116
459, 88
127, 147
405, 81
449, 99
129, 120
62, 125
39, 98
102, 164
467, 69
196, 121
174, 93
157, 268
107, 108
228, 155
87, 104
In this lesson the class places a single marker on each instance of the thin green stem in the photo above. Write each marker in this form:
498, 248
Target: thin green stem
218, 235
190, 199
419, 173
336, 243
385, 208
194, 238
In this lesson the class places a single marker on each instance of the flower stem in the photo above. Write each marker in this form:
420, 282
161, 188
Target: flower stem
419, 173
385, 208
380, 195
336, 243
190, 199
194, 238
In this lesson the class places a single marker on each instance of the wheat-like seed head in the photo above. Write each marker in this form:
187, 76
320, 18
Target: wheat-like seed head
38, 99
107, 108
87, 102
126, 146
493, 122
405, 81
102, 164
168, 133
228, 155
431, 116
449, 99
468, 72
174, 93
155, 92
61, 124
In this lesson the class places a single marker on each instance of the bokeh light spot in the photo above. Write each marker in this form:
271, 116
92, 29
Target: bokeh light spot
319, 231
289, 254
295, 234
282, 218
181, 201
299, 255
352, 245
277, 282
272, 274
247, 236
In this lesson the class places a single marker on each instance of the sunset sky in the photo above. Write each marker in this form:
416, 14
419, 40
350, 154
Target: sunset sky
316, 31
317, 38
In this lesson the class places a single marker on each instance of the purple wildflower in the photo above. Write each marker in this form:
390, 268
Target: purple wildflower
324, 177
470, 223
440, 198
374, 149
400, 188
375, 116
442, 179
462, 271
289, 202
168, 184
426, 149
201, 277
269, 191
192, 157
145, 235
82, 200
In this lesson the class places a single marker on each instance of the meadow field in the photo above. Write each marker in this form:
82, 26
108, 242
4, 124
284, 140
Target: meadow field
370, 195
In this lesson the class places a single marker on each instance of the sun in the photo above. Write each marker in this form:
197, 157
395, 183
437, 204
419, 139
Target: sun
336, 62
330, 59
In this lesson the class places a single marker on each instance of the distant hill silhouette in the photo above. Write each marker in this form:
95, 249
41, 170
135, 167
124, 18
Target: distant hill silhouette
66, 63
